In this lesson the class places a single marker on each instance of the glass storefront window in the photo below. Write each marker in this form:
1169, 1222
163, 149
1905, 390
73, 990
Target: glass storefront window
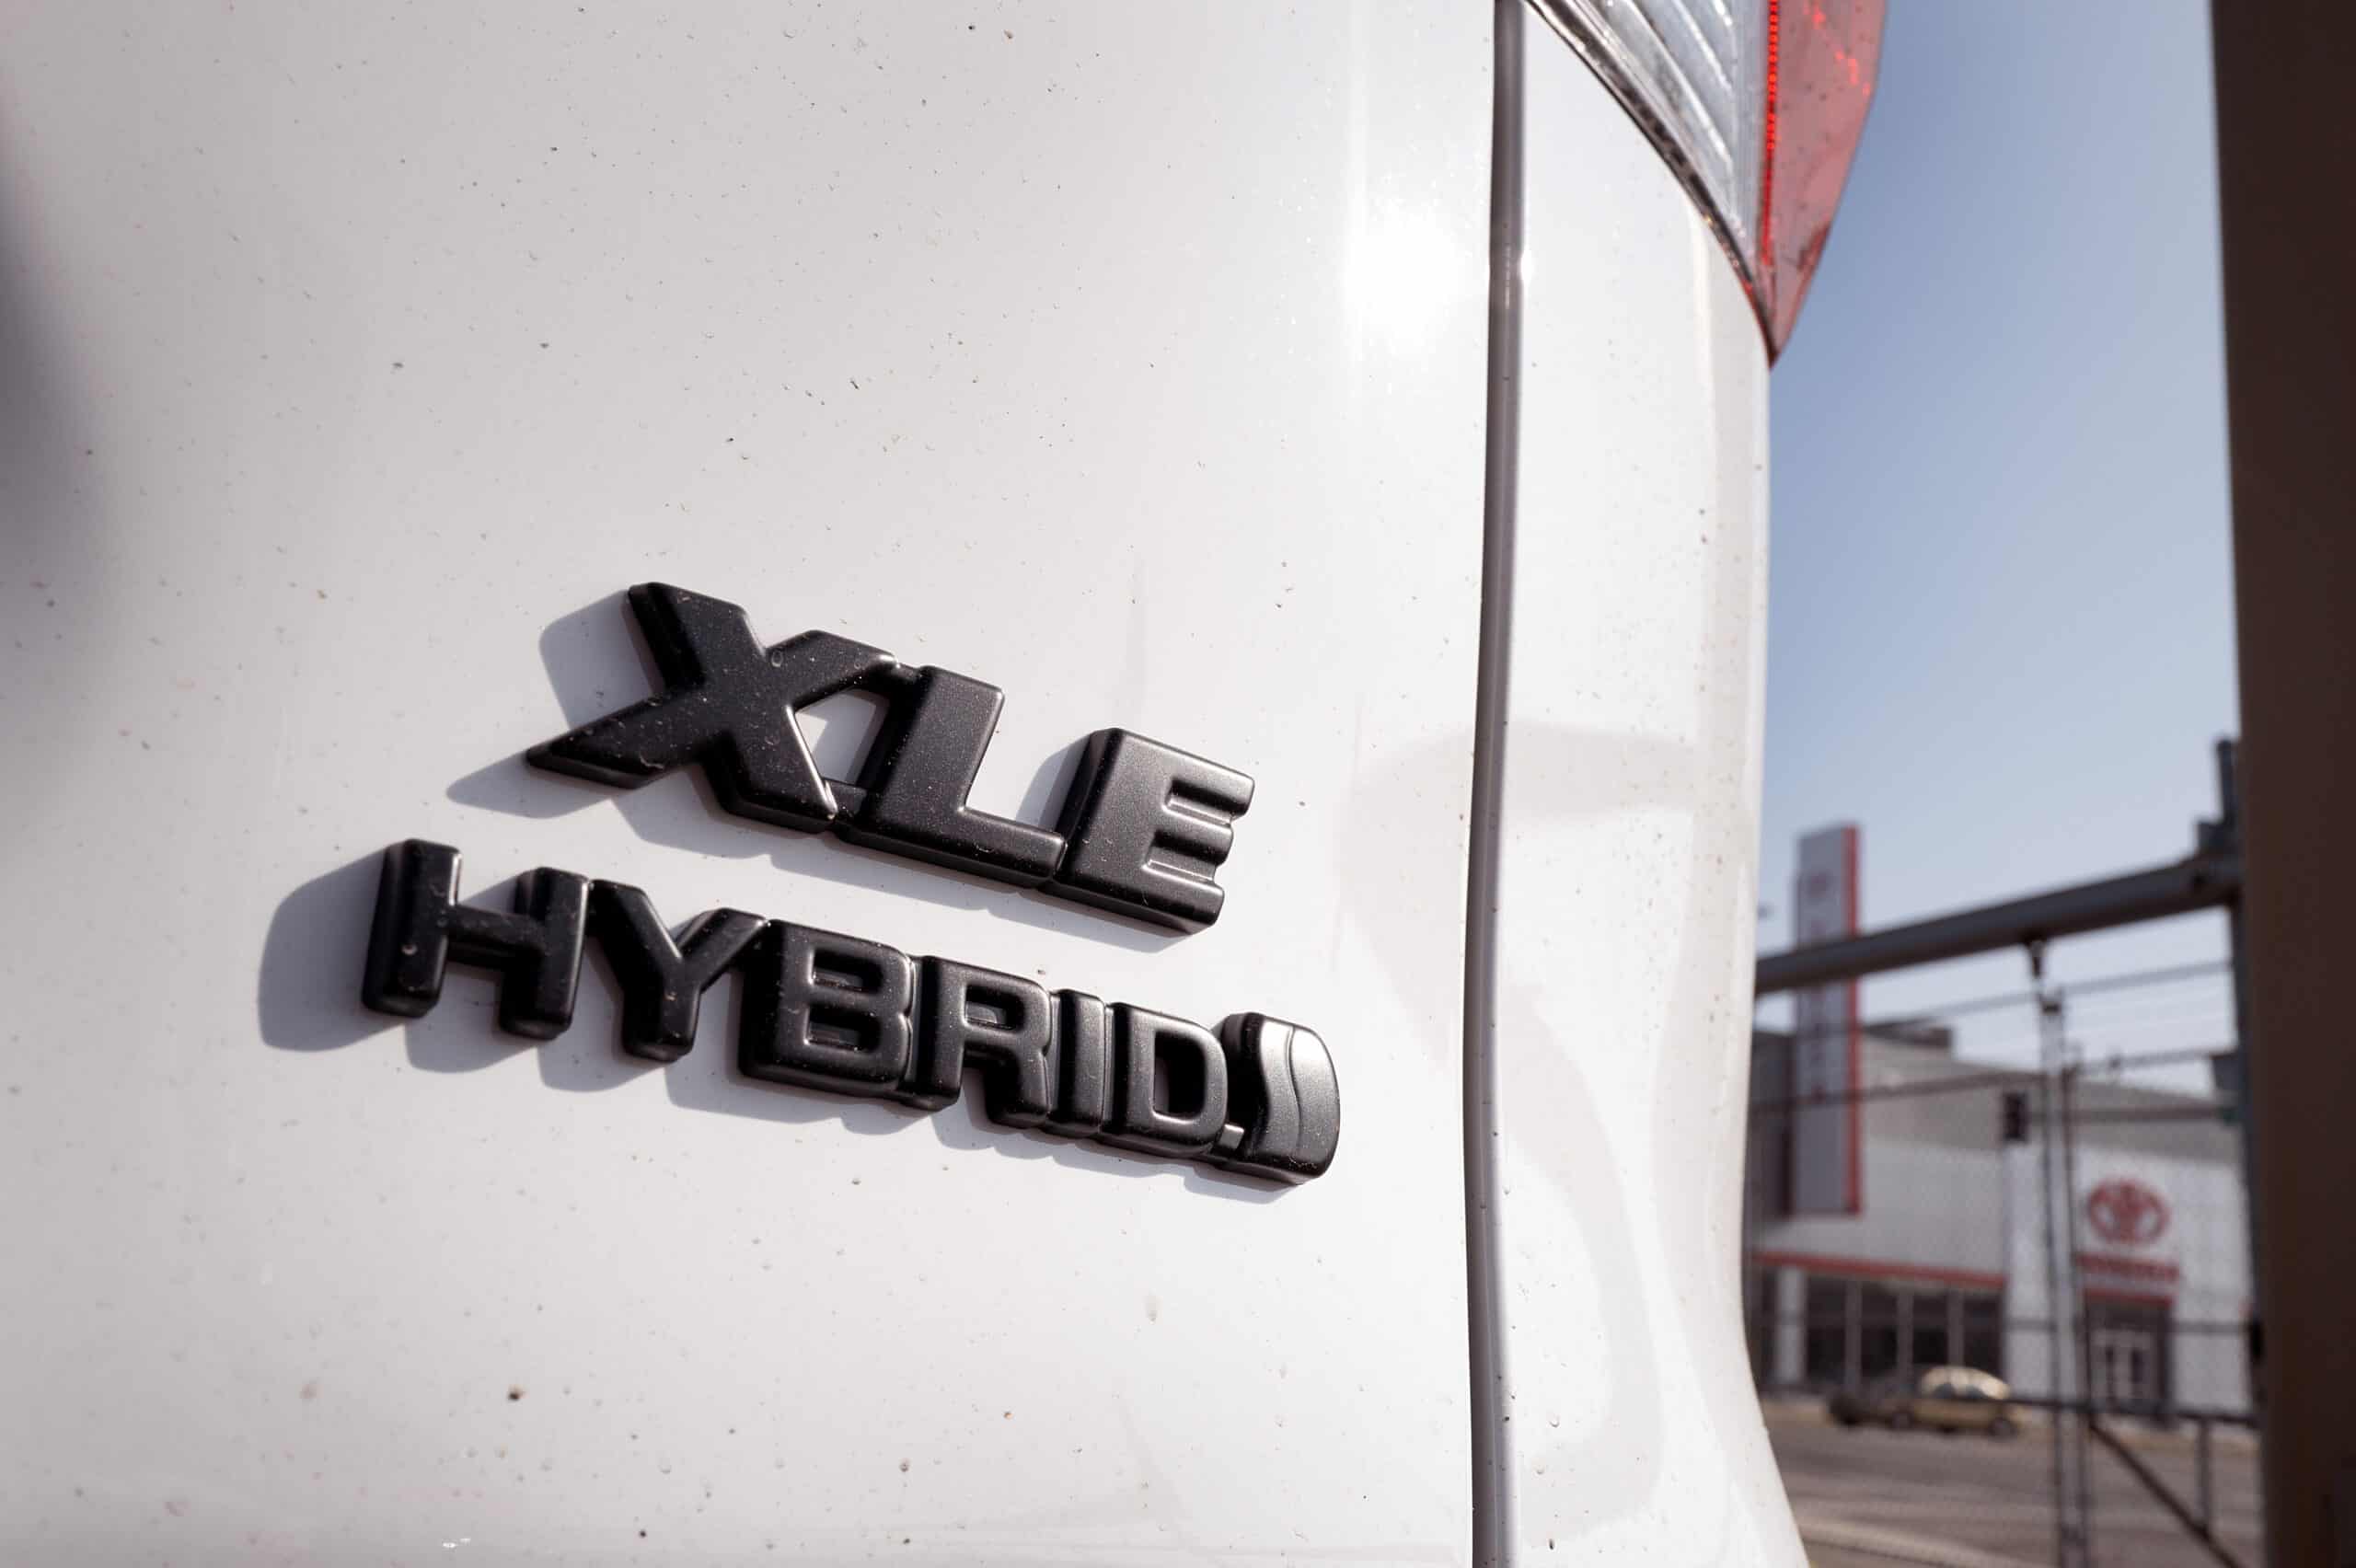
1878, 1344
1928, 1329
1984, 1333
1828, 1331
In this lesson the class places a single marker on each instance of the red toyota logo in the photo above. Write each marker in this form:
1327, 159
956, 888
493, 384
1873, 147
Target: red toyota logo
2127, 1213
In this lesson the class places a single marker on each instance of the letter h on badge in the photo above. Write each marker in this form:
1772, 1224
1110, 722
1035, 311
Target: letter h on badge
1143, 831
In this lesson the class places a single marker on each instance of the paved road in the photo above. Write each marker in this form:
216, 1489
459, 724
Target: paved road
1873, 1498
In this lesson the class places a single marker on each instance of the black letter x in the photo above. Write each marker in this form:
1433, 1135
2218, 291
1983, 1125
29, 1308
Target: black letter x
728, 703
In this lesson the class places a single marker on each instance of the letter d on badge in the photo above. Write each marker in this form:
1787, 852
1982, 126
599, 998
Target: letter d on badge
1283, 1102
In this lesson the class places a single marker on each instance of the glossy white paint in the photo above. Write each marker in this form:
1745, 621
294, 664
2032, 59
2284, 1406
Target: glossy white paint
352, 364
1626, 902
359, 361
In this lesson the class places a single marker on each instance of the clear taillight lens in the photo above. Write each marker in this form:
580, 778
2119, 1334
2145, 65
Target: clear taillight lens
1756, 104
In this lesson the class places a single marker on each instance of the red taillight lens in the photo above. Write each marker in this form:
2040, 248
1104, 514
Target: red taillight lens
1757, 105
1821, 55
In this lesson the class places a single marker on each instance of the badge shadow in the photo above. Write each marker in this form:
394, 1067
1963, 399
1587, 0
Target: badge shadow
597, 660
307, 1001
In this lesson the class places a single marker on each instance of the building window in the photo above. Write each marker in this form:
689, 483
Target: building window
1984, 1333
1828, 1331
1928, 1326
1854, 1331
1878, 1344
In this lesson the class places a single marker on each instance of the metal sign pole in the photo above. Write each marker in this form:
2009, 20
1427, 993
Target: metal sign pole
2064, 1309
2062, 1534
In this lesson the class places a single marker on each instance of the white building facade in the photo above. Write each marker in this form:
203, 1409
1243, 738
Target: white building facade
1948, 1259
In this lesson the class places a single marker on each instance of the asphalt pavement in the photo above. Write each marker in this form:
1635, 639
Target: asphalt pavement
1868, 1496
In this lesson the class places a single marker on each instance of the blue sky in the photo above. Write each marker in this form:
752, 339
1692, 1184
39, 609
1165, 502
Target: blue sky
1999, 636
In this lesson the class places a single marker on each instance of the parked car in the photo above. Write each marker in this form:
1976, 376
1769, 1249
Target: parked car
1948, 1399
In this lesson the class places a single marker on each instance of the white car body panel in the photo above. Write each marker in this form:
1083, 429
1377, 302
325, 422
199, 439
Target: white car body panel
355, 364
1627, 897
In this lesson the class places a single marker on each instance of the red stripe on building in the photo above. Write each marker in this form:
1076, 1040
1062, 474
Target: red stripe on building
2156, 1270
1876, 1268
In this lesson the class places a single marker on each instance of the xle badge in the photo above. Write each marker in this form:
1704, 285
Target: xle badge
1143, 831
850, 1016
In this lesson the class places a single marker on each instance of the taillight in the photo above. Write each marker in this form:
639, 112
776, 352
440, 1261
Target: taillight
1756, 104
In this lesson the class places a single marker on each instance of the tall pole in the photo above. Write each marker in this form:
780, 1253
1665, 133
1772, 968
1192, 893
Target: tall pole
2283, 70
2081, 1339
2063, 1535
2227, 833
2065, 1330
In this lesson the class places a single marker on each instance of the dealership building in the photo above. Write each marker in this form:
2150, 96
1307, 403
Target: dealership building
1937, 1249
